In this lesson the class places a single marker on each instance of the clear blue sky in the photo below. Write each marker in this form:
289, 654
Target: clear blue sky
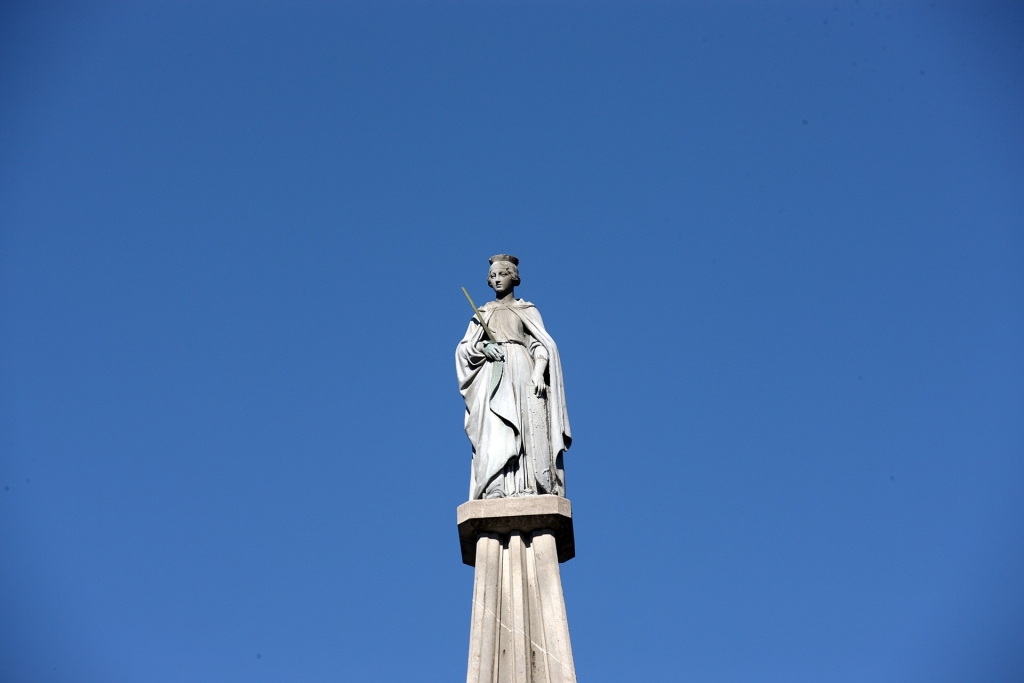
780, 246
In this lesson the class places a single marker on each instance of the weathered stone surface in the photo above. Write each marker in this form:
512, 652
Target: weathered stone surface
525, 514
519, 632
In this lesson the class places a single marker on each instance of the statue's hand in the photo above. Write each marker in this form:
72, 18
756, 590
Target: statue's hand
539, 387
494, 352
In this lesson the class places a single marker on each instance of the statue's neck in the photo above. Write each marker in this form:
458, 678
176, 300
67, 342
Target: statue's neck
506, 298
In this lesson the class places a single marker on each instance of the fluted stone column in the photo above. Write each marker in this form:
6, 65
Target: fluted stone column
519, 632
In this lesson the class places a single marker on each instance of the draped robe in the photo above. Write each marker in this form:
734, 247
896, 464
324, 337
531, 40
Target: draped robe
512, 432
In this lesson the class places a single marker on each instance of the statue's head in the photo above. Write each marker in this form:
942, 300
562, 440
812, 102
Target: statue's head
504, 273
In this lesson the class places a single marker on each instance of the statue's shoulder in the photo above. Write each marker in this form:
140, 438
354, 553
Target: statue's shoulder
528, 312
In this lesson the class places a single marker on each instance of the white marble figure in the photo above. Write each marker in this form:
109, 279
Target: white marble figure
514, 393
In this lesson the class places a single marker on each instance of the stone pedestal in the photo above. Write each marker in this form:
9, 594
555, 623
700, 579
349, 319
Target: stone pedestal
519, 632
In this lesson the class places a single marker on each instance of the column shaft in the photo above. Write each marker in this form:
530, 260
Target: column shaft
552, 604
483, 639
519, 632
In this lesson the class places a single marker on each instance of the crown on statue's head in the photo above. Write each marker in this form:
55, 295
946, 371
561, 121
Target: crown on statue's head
505, 257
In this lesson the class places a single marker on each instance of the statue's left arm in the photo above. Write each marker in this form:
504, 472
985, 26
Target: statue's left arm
560, 434
540, 367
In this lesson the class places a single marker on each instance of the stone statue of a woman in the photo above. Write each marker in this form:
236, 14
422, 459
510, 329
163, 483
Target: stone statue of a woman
515, 397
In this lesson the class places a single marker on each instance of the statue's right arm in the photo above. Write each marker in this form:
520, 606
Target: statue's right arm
470, 349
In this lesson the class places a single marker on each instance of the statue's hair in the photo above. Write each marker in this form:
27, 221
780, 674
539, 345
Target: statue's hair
507, 265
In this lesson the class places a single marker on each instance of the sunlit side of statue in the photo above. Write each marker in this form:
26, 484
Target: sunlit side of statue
515, 397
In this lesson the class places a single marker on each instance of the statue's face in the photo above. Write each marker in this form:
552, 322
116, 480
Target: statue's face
500, 279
